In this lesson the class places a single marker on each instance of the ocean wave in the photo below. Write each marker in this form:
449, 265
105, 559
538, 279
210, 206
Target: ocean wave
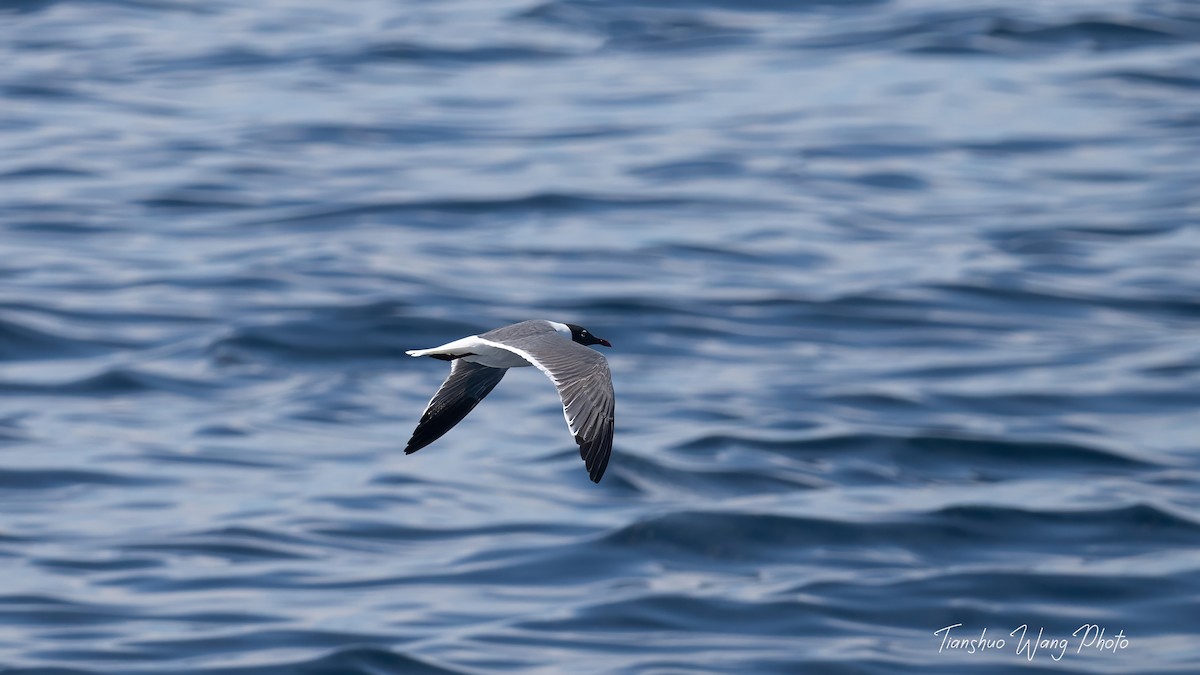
52, 479
350, 661
428, 54
115, 380
961, 534
383, 329
528, 205
925, 450
1007, 33
690, 614
20, 341
655, 476
1022, 596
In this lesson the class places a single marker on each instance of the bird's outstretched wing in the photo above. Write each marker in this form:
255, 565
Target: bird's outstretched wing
585, 386
466, 386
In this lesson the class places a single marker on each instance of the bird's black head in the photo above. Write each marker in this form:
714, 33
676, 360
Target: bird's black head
582, 336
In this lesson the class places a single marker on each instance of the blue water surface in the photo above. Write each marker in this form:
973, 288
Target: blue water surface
905, 299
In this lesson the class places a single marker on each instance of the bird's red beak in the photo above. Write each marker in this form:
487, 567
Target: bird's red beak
604, 342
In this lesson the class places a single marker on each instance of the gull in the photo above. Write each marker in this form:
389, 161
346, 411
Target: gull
478, 362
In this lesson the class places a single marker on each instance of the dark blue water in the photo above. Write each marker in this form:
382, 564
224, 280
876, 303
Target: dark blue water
905, 299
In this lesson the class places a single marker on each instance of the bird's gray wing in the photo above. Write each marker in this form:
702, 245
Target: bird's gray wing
585, 386
466, 386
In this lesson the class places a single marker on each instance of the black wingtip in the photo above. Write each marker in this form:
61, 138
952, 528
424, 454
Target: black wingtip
595, 454
597, 471
414, 445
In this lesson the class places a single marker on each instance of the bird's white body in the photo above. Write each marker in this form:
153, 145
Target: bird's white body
485, 352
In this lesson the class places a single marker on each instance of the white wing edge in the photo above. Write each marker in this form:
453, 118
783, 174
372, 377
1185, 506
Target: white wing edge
537, 364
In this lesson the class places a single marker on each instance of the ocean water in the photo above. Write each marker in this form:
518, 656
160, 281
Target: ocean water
904, 298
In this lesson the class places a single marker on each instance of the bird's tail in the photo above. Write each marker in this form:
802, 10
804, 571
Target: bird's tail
435, 353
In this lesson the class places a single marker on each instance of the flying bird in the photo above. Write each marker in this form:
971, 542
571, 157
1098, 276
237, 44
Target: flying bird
478, 362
